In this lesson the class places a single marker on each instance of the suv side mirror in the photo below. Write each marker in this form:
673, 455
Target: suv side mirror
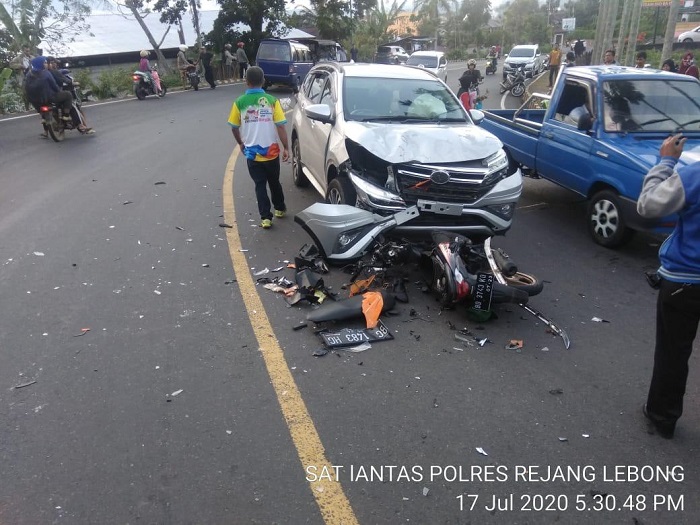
477, 116
320, 112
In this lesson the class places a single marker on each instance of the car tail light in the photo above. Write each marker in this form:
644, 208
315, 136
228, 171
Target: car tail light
45, 109
135, 77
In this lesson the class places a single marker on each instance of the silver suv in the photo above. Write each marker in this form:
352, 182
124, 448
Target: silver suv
529, 55
386, 137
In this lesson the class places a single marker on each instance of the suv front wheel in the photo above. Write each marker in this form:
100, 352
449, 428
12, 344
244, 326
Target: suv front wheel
341, 191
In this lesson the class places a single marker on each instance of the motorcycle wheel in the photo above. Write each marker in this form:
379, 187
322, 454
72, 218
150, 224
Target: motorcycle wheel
508, 294
517, 90
163, 90
195, 83
55, 128
442, 283
526, 282
140, 93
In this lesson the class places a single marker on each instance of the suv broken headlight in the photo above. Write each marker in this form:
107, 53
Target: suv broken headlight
497, 166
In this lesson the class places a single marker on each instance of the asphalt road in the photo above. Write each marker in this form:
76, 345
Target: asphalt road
167, 411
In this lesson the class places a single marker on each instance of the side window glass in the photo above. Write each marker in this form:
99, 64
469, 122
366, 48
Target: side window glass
575, 101
316, 90
326, 95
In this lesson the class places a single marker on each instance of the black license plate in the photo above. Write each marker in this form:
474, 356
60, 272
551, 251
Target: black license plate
356, 336
483, 289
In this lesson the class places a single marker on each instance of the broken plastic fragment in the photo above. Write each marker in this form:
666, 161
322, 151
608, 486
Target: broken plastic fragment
205, 265
563, 439
176, 393
599, 320
159, 183
83, 331
180, 228
320, 352
157, 292
483, 341
39, 254
514, 344
224, 225
262, 272
425, 491
481, 451
359, 348
586, 435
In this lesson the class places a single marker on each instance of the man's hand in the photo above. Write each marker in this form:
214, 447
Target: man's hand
285, 154
673, 146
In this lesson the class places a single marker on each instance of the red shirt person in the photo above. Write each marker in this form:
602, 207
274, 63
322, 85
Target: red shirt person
687, 67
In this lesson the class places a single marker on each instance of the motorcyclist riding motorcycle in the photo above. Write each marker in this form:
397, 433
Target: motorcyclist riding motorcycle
184, 66
67, 83
492, 57
469, 82
152, 73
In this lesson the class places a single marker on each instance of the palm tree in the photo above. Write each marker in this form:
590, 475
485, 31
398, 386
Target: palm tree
430, 10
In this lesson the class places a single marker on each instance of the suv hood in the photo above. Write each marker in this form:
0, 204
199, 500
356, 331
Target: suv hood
425, 143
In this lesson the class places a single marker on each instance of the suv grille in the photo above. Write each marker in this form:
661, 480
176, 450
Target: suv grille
465, 184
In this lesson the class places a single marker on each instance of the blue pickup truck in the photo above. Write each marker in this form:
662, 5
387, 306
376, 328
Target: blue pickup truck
598, 134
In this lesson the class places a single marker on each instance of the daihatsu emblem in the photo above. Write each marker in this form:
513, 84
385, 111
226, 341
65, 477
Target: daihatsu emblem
440, 177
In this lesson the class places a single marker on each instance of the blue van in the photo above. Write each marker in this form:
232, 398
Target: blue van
284, 62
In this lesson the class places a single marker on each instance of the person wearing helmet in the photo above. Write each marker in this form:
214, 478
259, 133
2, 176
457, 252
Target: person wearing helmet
145, 66
242, 59
41, 88
230, 63
183, 65
469, 81
67, 84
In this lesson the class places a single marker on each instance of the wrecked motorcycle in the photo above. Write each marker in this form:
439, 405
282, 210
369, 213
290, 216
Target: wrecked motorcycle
461, 273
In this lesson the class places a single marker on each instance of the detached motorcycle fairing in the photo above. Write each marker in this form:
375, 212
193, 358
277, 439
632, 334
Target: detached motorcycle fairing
344, 233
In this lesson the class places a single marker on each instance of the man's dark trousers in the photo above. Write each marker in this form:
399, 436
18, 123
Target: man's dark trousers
263, 174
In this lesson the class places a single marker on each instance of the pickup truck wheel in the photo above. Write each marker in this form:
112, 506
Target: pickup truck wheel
605, 222
298, 176
341, 191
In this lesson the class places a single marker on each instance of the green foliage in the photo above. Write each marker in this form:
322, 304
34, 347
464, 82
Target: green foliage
253, 13
114, 83
11, 99
82, 76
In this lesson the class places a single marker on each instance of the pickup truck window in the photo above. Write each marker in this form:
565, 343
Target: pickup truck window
661, 105
575, 100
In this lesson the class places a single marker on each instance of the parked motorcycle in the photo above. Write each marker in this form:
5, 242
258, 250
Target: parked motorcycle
492, 66
144, 85
515, 82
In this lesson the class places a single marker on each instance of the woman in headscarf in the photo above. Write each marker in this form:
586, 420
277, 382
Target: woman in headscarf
669, 65
687, 67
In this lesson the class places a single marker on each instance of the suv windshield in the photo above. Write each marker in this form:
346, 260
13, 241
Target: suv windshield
367, 99
521, 53
651, 105
426, 61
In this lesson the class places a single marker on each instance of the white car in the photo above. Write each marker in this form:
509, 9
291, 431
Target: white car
386, 137
690, 36
433, 61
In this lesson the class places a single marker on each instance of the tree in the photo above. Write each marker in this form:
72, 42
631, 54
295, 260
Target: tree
140, 11
375, 26
429, 12
265, 18
31, 22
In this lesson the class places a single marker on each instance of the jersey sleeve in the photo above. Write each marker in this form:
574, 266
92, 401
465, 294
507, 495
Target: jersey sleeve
278, 114
234, 117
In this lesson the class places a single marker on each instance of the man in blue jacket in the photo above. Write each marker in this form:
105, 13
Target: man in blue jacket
41, 88
666, 191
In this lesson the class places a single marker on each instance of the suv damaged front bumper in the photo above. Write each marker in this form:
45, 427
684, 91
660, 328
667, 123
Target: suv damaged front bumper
488, 215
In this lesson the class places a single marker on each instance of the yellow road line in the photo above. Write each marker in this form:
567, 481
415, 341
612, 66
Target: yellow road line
332, 502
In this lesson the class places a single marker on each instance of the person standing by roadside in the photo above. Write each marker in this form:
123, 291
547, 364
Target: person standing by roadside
205, 58
570, 59
229, 59
183, 65
353, 53
669, 65
687, 67
641, 60
258, 122
554, 63
665, 191
609, 58
242, 60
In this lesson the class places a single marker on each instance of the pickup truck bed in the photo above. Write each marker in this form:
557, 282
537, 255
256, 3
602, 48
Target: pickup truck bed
599, 135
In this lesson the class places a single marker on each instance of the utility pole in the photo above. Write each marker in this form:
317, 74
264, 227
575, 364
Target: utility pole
670, 30
610, 25
604, 13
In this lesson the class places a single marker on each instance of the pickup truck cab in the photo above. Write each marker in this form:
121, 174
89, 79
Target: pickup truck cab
598, 133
